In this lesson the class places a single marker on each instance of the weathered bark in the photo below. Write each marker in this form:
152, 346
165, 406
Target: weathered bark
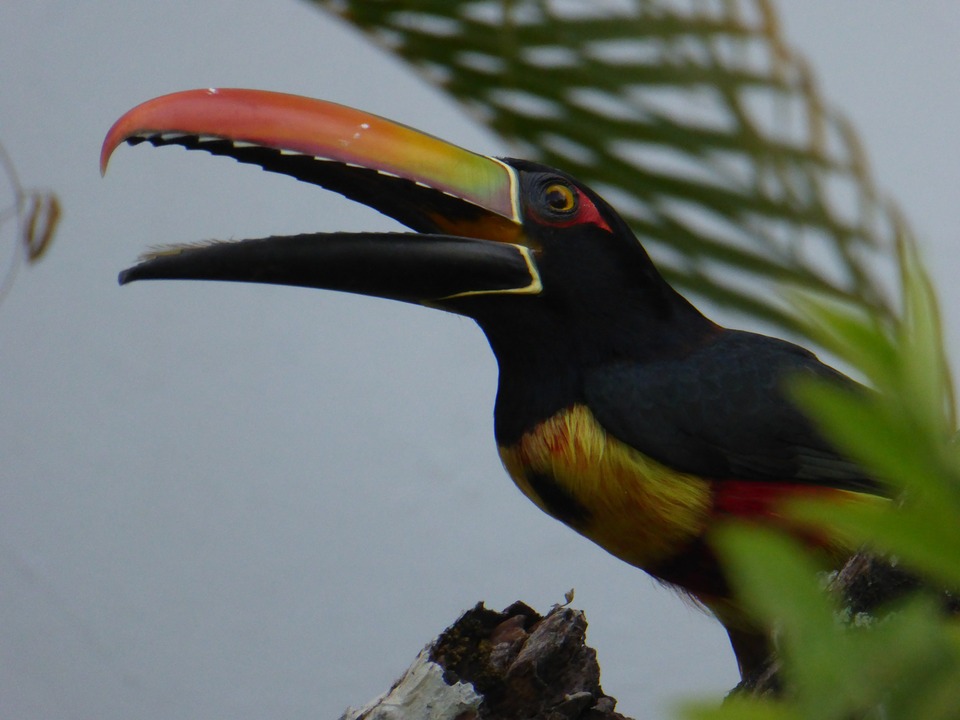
504, 665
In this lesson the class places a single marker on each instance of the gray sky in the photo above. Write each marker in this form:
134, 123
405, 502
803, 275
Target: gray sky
247, 501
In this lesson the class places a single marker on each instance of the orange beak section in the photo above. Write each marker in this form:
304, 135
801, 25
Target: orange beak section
325, 131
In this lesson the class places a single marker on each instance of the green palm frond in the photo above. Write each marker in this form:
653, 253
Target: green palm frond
692, 118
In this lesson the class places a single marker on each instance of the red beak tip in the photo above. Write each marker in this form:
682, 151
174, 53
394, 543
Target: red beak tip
110, 143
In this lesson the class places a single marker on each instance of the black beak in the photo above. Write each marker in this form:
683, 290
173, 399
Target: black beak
398, 266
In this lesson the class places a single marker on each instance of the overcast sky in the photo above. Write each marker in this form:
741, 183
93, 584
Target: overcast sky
247, 501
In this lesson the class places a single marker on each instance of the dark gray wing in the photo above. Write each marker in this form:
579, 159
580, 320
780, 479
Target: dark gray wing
722, 411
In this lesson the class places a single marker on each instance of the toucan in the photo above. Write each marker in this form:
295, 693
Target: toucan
621, 410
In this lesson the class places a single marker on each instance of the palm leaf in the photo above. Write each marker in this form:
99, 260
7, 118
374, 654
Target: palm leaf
692, 118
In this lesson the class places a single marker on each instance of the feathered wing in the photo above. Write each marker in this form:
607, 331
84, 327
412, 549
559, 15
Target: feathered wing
723, 411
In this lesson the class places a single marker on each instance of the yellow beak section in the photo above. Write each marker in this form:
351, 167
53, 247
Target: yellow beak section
323, 130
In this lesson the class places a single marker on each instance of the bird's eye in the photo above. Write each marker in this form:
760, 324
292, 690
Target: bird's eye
560, 198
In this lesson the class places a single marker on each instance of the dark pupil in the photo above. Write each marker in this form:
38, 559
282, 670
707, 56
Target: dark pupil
558, 199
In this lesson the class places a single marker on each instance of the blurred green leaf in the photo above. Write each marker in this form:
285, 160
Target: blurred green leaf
741, 708
902, 432
905, 666
694, 119
922, 528
848, 331
903, 353
777, 581
886, 440
922, 536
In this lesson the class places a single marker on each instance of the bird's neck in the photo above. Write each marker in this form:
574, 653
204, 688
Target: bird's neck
543, 361
532, 387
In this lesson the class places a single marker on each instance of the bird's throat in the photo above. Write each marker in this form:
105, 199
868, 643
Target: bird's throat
634, 507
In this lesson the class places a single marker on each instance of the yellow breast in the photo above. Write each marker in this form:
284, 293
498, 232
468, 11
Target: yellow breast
634, 507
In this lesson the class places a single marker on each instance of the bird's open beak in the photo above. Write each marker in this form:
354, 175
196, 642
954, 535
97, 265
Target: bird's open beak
463, 207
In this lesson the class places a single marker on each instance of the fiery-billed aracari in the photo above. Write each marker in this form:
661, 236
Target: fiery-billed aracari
621, 410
